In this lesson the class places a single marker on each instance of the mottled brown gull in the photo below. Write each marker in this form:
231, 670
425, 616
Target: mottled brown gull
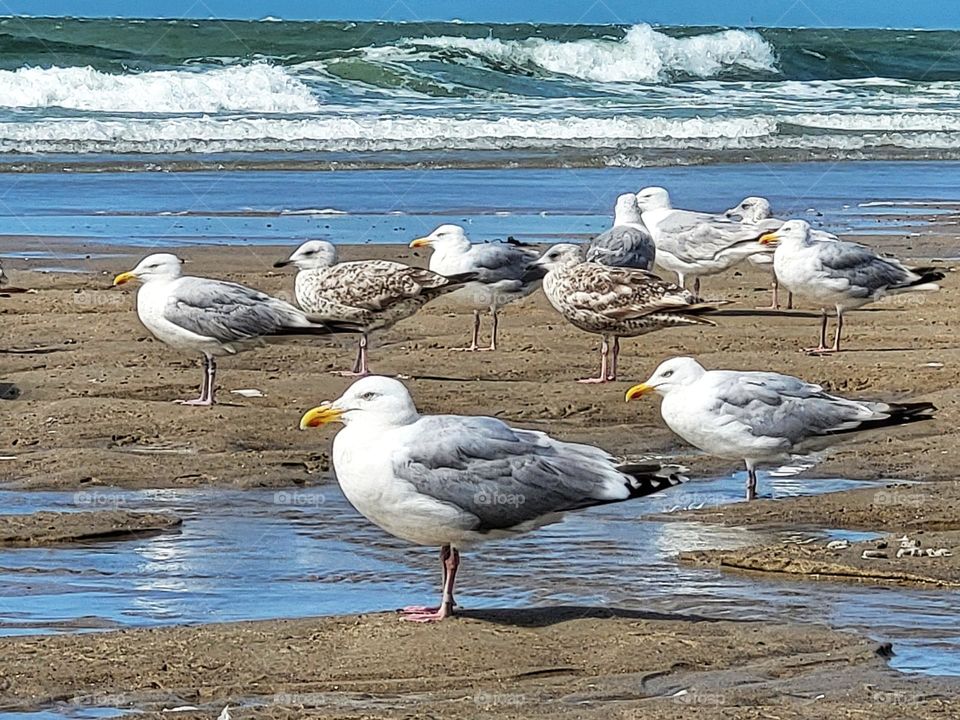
614, 302
374, 294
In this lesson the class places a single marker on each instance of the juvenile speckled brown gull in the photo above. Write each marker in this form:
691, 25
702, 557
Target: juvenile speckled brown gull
374, 294
614, 302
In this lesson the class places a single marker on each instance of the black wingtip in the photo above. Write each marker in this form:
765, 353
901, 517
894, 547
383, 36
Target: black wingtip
337, 326
650, 478
462, 278
533, 273
912, 412
896, 414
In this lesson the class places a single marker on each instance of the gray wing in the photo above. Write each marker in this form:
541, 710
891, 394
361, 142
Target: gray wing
623, 246
229, 312
503, 477
865, 270
494, 262
693, 236
788, 409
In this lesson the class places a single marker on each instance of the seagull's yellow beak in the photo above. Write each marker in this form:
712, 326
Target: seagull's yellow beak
320, 415
123, 278
636, 391
421, 242
769, 238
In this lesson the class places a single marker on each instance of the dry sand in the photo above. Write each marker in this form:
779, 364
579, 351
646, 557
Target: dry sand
91, 406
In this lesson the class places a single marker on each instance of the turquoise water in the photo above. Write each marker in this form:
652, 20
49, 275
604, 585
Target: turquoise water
575, 95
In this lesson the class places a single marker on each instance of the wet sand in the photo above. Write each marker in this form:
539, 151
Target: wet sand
57, 528
93, 410
560, 662
923, 559
95, 388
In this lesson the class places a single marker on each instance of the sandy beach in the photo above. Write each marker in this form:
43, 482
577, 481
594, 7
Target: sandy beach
93, 412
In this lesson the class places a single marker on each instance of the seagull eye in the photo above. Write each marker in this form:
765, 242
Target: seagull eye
667, 373
368, 396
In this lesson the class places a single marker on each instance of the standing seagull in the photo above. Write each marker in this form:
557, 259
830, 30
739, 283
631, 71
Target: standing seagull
756, 211
694, 244
614, 302
500, 269
762, 417
212, 317
374, 294
454, 481
840, 274
628, 243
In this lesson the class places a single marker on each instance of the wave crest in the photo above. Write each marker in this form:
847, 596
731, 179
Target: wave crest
260, 88
642, 55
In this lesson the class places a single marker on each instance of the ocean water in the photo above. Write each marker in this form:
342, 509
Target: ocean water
892, 200
468, 95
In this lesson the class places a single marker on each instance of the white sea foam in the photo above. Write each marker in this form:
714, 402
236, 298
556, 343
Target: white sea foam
642, 55
391, 133
259, 88
169, 135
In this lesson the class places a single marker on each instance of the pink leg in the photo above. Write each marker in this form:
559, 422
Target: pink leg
207, 388
493, 331
475, 342
775, 299
822, 349
450, 559
614, 359
360, 367
604, 351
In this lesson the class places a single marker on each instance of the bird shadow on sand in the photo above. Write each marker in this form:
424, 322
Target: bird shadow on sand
546, 616
764, 312
450, 378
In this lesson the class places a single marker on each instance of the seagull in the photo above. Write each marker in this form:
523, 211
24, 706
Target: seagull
756, 211
762, 417
628, 243
374, 294
840, 274
212, 317
614, 302
694, 244
500, 268
454, 481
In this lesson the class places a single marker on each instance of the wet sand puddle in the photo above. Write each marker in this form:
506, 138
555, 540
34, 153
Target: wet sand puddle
304, 551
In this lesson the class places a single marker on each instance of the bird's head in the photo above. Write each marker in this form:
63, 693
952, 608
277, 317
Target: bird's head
159, 266
626, 210
312, 255
559, 255
750, 210
443, 238
653, 198
671, 375
791, 232
374, 400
